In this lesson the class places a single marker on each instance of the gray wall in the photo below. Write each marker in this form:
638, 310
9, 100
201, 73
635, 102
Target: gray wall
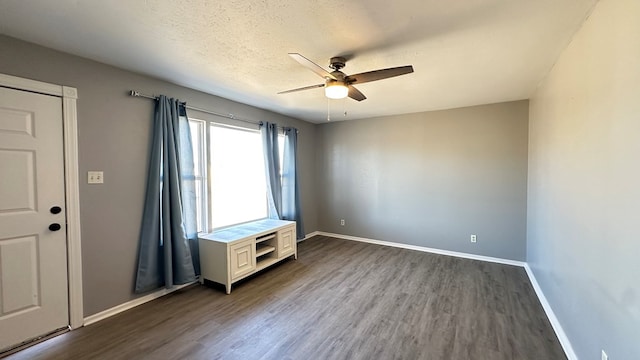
114, 132
584, 184
429, 179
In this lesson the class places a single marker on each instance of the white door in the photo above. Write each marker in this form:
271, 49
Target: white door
33, 252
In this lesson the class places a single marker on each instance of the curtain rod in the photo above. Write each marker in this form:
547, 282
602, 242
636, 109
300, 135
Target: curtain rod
228, 116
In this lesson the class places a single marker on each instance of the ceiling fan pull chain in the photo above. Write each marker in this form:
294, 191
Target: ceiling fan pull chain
344, 106
328, 109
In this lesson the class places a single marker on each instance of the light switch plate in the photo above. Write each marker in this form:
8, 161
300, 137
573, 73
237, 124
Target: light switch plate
95, 177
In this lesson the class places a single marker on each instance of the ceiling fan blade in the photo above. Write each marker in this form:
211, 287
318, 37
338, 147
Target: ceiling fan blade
312, 66
302, 88
378, 74
355, 94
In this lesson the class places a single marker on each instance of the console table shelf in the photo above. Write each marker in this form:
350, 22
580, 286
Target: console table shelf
231, 254
264, 250
265, 238
265, 263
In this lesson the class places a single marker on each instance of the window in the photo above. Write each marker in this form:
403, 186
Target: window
281, 153
238, 189
230, 179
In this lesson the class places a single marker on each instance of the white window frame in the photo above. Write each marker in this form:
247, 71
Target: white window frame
202, 174
206, 216
238, 128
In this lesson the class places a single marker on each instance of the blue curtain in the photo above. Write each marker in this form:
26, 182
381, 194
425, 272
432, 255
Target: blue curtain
290, 185
168, 238
269, 134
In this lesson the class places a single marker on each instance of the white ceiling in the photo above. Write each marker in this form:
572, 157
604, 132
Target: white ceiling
464, 52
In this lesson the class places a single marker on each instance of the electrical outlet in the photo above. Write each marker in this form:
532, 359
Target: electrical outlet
95, 177
473, 238
341, 222
604, 355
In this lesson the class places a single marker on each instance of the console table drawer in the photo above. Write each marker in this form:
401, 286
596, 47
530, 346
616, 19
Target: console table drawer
286, 241
242, 258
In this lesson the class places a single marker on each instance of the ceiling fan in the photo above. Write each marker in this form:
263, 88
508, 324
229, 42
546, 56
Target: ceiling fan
337, 84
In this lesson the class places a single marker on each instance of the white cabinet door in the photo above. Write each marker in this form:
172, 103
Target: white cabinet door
286, 242
33, 252
242, 258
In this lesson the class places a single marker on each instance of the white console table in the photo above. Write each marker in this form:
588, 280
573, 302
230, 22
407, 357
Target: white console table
231, 254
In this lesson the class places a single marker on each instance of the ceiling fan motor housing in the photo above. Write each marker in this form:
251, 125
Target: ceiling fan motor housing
337, 63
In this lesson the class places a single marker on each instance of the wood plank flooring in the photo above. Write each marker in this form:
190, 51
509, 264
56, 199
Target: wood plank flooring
340, 300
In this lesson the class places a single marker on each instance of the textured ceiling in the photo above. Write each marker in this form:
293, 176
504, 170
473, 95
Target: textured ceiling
464, 52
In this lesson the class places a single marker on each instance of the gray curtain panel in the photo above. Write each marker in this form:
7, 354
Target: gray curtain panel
168, 237
269, 134
291, 209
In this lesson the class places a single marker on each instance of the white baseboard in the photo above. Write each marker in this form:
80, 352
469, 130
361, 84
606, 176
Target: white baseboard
131, 304
555, 323
426, 249
310, 235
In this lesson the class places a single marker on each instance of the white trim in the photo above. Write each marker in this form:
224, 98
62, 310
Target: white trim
72, 185
310, 235
555, 323
30, 85
72, 191
131, 304
426, 249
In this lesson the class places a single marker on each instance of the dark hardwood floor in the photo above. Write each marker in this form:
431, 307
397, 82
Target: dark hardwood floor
340, 300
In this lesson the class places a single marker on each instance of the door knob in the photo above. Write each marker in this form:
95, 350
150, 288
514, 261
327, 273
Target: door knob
55, 210
55, 227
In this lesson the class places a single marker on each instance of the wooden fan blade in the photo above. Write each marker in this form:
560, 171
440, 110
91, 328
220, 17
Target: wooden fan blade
302, 88
312, 66
355, 94
378, 74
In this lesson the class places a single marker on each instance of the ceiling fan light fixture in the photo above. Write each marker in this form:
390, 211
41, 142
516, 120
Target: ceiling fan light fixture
336, 90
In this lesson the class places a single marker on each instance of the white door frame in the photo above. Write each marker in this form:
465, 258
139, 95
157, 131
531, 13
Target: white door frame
69, 96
